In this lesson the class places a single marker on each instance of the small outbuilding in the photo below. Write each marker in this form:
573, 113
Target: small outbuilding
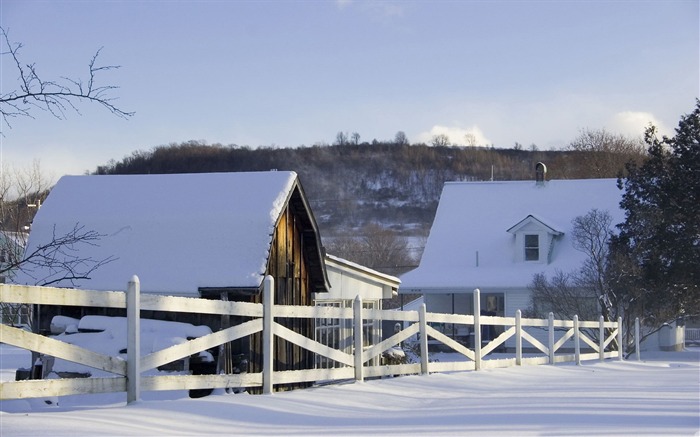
348, 281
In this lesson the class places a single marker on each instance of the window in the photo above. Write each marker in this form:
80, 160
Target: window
532, 247
338, 334
371, 330
534, 240
330, 333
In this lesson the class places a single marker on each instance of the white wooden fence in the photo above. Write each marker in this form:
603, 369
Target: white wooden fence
127, 374
692, 336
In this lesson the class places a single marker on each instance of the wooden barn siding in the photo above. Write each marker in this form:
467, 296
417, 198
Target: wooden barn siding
288, 265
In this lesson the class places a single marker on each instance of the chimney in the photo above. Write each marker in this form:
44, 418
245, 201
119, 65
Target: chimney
540, 174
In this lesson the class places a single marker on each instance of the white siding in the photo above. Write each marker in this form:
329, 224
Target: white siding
516, 300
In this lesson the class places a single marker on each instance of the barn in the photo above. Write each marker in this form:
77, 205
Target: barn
208, 235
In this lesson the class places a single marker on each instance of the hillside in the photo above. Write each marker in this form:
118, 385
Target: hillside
350, 186
354, 187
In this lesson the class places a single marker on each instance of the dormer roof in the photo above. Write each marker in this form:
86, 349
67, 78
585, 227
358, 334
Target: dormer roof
532, 220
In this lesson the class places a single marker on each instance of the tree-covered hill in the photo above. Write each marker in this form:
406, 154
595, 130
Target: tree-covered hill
375, 203
352, 185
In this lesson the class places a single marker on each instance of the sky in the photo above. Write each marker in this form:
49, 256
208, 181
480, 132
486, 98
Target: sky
292, 73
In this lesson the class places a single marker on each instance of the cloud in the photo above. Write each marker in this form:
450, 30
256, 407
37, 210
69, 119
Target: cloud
633, 124
457, 135
342, 4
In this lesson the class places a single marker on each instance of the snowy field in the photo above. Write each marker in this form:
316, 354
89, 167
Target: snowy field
658, 396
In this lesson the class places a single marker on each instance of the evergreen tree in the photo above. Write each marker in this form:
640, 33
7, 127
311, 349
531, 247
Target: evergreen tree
657, 251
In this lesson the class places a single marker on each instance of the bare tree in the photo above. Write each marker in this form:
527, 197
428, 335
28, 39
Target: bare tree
604, 154
54, 96
400, 139
374, 247
561, 295
60, 259
470, 140
341, 138
584, 292
591, 235
355, 137
22, 190
21, 193
440, 140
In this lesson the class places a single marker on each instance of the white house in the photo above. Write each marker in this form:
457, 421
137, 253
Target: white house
496, 236
11, 250
12, 246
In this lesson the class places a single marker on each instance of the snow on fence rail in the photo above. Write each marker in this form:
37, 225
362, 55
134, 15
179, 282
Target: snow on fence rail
357, 364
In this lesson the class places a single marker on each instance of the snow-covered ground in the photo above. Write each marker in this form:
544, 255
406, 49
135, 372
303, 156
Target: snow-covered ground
658, 396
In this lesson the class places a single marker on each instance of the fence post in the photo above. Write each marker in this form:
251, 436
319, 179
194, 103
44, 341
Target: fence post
601, 338
577, 339
133, 340
550, 341
477, 329
423, 325
619, 339
359, 341
267, 334
637, 350
518, 339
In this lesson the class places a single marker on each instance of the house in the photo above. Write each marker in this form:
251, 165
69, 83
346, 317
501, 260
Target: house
349, 280
11, 250
209, 235
12, 246
495, 236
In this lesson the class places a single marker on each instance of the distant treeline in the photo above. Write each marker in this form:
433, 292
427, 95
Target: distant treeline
397, 185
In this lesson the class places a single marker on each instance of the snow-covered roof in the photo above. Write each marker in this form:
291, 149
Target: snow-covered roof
389, 279
177, 232
349, 279
469, 244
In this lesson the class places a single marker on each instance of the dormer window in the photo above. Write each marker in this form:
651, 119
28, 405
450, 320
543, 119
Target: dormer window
534, 240
532, 247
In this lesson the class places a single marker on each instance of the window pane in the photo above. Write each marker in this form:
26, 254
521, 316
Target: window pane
532, 247
532, 240
532, 254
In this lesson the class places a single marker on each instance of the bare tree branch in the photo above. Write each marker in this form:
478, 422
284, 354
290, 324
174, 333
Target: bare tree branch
375, 247
53, 96
60, 258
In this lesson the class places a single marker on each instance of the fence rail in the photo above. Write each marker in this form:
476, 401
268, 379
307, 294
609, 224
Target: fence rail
357, 364
692, 336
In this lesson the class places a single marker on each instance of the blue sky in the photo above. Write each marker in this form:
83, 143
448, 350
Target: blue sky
287, 73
